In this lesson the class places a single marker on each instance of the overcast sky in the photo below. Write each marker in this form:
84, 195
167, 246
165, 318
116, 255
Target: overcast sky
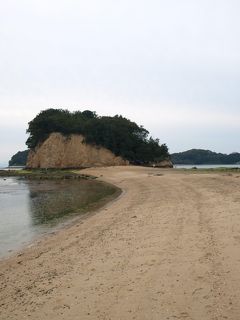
172, 66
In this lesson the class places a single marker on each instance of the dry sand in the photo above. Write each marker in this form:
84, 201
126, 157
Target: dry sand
168, 248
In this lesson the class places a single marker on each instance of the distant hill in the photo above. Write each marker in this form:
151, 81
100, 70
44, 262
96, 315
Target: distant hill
199, 156
19, 159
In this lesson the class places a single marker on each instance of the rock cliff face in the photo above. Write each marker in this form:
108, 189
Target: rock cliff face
59, 151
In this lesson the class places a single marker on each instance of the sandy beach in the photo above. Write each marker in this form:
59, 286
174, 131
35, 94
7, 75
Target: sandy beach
167, 248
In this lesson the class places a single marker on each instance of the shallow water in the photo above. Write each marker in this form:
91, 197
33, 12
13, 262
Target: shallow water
206, 166
33, 207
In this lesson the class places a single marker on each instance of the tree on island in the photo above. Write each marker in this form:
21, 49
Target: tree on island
118, 134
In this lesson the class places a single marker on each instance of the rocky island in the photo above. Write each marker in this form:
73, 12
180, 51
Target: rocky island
63, 139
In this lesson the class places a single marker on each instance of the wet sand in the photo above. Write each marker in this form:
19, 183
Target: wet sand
168, 248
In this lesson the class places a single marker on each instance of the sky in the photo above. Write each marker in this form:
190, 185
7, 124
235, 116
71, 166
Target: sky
172, 66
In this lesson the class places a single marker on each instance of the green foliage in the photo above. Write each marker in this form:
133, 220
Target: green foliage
199, 156
19, 159
118, 134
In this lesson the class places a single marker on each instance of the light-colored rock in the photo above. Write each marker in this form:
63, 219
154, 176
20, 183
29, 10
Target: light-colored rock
167, 163
59, 151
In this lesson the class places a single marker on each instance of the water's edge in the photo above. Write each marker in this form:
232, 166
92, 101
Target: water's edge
68, 221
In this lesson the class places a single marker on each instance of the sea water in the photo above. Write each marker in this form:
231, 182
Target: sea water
29, 208
206, 166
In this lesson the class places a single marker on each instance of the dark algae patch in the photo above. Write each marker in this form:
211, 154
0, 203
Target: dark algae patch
45, 174
51, 201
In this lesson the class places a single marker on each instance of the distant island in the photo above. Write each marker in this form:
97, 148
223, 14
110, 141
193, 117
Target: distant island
200, 156
60, 138
19, 159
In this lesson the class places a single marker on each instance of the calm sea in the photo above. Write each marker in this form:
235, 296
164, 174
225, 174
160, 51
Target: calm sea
30, 208
206, 166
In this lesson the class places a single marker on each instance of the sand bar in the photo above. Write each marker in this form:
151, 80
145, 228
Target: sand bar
168, 248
